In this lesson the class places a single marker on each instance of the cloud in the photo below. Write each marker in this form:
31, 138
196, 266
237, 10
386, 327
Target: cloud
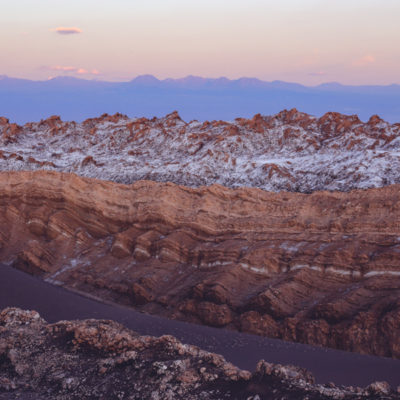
73, 70
62, 68
363, 61
83, 71
67, 31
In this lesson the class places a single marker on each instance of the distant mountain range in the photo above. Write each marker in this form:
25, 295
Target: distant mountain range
199, 98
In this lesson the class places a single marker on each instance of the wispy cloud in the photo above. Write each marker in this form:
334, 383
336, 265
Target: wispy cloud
62, 68
363, 61
71, 69
62, 30
83, 71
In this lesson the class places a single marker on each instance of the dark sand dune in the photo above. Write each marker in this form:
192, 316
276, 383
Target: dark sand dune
54, 303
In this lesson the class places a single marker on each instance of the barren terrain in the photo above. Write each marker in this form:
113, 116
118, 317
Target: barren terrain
289, 151
97, 359
320, 268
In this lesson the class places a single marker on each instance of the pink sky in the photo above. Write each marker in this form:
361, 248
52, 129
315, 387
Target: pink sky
307, 41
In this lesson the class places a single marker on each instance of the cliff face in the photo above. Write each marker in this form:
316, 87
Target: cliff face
320, 269
98, 359
289, 151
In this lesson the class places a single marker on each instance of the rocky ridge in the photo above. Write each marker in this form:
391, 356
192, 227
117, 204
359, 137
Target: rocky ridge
289, 151
320, 268
97, 359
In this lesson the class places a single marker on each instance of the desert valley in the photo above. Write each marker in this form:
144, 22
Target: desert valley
199, 200
272, 226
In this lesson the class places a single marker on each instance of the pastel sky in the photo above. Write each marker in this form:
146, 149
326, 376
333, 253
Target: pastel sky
306, 41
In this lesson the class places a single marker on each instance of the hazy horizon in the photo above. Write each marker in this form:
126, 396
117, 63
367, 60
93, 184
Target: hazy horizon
193, 97
191, 76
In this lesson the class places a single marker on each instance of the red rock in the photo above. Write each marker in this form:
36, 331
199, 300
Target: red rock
214, 314
374, 120
288, 265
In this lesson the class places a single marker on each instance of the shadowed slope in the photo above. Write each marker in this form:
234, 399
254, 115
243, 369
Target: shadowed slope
96, 359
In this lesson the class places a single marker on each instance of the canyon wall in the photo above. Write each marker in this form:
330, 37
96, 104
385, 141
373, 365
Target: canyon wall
320, 268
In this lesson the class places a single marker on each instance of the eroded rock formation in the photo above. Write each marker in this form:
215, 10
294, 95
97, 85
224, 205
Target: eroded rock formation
98, 359
321, 268
289, 151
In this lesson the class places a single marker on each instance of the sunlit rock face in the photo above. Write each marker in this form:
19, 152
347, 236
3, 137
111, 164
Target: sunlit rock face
318, 268
289, 151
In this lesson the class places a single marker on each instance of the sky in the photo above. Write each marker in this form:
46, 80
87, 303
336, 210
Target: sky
306, 41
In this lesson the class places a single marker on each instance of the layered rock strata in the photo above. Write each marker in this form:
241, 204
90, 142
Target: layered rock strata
289, 151
97, 359
321, 269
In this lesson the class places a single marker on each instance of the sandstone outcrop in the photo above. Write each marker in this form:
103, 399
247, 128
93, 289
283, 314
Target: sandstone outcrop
320, 268
98, 359
289, 151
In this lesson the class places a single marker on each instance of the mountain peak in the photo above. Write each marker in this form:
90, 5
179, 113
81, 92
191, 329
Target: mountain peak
145, 79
